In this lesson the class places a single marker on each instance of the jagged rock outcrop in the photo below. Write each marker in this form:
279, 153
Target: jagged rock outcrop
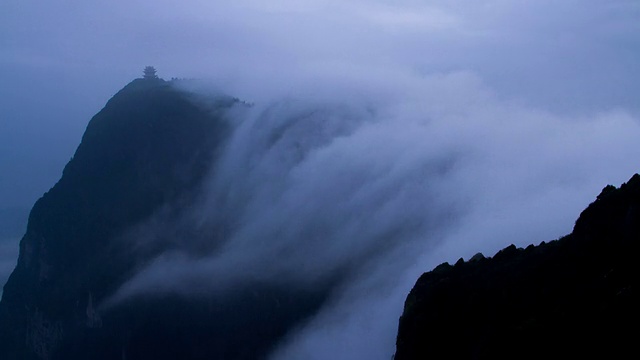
148, 149
569, 298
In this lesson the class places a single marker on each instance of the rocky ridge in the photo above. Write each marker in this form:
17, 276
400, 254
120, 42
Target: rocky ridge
568, 298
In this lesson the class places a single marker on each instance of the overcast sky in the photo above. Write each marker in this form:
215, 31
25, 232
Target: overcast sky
60, 61
538, 98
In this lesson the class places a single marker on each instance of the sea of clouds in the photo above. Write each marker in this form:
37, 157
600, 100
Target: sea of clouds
383, 138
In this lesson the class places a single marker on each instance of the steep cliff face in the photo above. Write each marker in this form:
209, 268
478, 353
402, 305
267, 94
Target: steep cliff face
149, 147
573, 297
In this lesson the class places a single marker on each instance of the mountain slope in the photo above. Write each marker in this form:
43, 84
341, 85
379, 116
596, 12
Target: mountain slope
149, 147
138, 173
573, 297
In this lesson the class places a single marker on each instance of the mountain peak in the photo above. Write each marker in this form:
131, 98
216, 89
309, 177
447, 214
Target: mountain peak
149, 147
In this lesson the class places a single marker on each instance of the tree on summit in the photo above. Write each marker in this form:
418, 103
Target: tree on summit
150, 72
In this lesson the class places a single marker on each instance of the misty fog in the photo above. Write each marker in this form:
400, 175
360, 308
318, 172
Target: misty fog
381, 186
383, 138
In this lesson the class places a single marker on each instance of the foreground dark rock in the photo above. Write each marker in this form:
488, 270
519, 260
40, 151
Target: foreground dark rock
146, 152
570, 298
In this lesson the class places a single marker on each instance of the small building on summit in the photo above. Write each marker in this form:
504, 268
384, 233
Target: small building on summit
150, 73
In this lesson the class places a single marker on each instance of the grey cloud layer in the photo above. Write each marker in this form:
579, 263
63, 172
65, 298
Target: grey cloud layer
539, 50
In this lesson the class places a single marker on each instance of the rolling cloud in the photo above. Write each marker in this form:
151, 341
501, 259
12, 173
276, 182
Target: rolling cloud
380, 191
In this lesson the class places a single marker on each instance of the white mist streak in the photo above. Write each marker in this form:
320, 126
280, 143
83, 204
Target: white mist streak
380, 188
523, 177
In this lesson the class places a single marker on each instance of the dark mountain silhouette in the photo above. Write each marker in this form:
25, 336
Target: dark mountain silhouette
147, 151
575, 297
